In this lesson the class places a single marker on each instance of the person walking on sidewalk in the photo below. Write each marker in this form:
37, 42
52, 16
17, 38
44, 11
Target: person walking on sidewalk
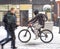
10, 25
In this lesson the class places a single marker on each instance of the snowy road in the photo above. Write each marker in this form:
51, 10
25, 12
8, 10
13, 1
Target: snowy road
33, 44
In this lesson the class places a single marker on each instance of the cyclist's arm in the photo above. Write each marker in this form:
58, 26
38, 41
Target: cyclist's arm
33, 20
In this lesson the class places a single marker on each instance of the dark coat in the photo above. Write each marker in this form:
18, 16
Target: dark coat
40, 18
9, 20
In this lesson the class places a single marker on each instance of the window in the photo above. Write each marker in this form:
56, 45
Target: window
1, 16
39, 7
3, 9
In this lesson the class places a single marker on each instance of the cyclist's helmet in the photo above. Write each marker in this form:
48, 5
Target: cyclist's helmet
36, 12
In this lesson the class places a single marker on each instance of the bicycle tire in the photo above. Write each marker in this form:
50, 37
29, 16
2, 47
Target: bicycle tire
50, 33
20, 38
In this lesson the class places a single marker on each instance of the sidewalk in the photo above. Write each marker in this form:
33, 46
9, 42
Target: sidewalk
33, 44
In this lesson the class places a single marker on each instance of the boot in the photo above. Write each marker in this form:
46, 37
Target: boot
1, 46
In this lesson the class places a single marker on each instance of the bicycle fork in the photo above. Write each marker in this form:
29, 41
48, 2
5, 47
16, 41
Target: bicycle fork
26, 32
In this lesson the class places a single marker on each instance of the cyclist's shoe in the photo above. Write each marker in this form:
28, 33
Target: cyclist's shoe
36, 37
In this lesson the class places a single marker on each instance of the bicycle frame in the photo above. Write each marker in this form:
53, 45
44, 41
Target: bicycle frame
40, 34
33, 30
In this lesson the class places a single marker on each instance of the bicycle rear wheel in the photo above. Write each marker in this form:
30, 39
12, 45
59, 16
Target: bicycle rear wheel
24, 36
46, 36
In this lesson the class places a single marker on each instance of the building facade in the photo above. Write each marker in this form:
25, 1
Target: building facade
25, 8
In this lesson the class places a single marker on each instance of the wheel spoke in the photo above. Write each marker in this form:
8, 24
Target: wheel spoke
46, 36
24, 36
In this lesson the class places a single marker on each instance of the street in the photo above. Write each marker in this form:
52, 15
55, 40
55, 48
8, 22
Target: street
33, 44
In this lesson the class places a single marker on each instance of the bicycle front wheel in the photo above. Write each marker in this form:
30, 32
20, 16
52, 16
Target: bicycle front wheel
46, 36
24, 36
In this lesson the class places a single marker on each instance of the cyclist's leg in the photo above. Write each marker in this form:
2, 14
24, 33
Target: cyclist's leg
36, 33
36, 27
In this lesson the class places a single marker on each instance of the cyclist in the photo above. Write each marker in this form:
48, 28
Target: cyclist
38, 22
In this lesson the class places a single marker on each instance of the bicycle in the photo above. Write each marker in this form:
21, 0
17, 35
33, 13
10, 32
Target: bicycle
25, 35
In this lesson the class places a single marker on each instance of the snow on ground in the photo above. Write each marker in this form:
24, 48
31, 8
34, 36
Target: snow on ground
33, 44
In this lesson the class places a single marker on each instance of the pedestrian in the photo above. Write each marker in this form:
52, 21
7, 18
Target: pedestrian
59, 24
10, 25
